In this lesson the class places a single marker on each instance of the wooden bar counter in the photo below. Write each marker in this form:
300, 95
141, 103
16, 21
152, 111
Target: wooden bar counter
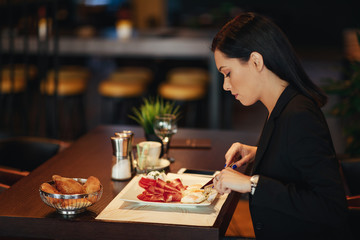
23, 214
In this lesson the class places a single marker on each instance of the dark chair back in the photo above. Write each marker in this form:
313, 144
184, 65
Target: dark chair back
351, 172
26, 153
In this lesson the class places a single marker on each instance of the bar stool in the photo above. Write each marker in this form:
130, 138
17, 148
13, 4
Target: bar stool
180, 92
21, 74
132, 74
188, 87
188, 76
71, 88
13, 88
122, 90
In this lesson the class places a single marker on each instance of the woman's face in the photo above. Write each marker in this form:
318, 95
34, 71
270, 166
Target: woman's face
240, 78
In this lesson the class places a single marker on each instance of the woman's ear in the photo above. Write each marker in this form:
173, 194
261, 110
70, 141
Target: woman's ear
257, 60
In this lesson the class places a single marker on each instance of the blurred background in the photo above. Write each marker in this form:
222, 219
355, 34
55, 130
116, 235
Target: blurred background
68, 66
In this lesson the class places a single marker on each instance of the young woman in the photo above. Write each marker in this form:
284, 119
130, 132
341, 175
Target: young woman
295, 189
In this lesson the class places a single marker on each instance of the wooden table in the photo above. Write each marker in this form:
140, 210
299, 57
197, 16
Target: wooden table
23, 214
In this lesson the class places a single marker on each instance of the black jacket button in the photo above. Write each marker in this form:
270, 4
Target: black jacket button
259, 226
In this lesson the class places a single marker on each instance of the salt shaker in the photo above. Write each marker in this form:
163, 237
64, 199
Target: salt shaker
121, 169
130, 147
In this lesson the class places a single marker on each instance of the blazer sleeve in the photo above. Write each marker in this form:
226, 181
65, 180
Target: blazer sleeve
318, 195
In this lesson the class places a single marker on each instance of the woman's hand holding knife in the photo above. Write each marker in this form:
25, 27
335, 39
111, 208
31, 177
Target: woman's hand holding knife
229, 179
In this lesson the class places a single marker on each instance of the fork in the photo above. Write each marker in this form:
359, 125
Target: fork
207, 189
209, 185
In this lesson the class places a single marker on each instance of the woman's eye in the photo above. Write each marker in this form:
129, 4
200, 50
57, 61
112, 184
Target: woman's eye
227, 75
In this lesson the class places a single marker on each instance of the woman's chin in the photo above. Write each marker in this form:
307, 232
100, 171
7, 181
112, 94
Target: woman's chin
245, 103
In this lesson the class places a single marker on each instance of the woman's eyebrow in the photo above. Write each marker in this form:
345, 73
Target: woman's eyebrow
221, 68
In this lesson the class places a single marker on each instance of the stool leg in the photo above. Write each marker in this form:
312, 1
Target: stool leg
4, 98
106, 104
116, 108
191, 114
48, 116
69, 121
124, 110
82, 115
119, 111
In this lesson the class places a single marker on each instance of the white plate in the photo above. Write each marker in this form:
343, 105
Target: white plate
130, 195
163, 163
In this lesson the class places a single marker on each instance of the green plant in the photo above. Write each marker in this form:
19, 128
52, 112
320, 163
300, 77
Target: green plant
151, 107
348, 107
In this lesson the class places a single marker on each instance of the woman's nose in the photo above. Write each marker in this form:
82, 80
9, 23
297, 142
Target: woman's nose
226, 85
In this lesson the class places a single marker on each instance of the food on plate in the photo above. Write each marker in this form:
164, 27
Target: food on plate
161, 191
212, 195
194, 197
194, 194
67, 185
194, 187
156, 175
158, 189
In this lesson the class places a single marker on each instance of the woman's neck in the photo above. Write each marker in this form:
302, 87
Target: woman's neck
274, 87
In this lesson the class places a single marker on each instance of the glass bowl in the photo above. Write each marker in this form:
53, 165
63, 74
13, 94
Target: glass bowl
69, 204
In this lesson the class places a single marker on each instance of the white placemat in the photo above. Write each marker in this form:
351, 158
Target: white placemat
119, 210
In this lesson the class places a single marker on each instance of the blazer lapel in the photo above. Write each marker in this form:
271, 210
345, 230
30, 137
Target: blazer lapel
269, 126
263, 142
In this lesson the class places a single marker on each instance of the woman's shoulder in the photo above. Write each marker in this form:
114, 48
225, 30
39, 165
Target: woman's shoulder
301, 104
302, 111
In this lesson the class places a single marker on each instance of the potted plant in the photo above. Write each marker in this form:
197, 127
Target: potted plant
348, 107
151, 107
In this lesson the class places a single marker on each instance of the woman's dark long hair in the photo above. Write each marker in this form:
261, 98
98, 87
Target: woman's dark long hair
250, 32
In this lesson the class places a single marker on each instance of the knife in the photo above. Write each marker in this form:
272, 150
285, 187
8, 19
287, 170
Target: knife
212, 180
208, 183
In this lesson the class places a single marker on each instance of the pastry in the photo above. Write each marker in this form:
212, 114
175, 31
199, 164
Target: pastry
92, 185
67, 185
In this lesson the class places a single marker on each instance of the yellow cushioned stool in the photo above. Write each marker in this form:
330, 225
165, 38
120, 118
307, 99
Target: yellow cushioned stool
118, 89
180, 92
21, 73
121, 91
7, 87
71, 88
14, 104
132, 74
188, 76
71, 81
190, 98
188, 87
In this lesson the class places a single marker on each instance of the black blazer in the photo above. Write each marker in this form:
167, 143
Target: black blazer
300, 193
